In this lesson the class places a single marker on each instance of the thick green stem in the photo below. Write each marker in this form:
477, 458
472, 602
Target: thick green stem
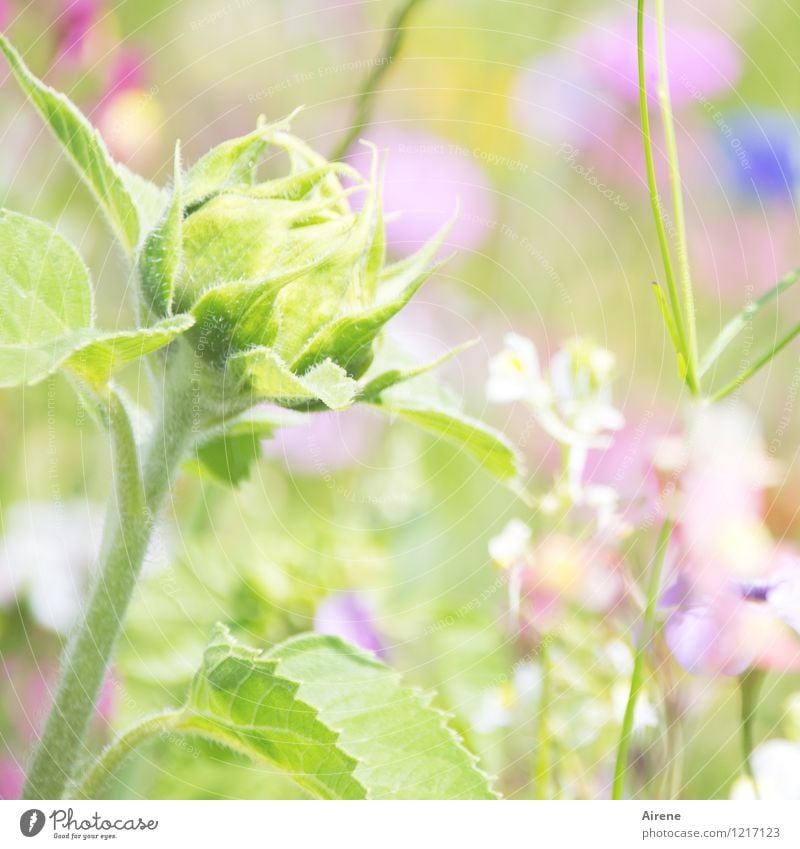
139, 494
113, 756
637, 675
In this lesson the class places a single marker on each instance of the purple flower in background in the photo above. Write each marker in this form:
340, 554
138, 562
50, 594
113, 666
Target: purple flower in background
5, 13
742, 624
426, 179
325, 442
587, 92
762, 152
347, 616
702, 61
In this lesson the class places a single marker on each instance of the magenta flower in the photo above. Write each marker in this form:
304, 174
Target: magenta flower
346, 615
73, 27
426, 178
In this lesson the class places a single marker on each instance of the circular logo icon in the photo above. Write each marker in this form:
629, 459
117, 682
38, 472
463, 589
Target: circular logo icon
31, 822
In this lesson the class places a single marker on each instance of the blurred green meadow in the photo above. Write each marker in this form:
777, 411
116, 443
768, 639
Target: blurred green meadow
368, 527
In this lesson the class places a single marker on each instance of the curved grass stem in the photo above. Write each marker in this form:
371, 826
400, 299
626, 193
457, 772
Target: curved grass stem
637, 674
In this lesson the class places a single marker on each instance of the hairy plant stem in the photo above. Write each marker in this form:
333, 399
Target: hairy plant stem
140, 488
115, 753
637, 674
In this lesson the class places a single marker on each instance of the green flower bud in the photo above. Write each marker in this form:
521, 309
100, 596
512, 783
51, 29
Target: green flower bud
286, 281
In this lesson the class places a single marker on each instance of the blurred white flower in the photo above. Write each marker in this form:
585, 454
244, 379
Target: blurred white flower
48, 553
580, 376
776, 769
511, 545
515, 375
497, 705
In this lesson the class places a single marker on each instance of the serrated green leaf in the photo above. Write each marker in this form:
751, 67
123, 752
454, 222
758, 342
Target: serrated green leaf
162, 251
84, 146
238, 698
274, 381
403, 747
338, 721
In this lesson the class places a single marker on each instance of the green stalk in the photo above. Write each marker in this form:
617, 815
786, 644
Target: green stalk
115, 753
677, 197
139, 493
749, 689
682, 347
637, 675
763, 360
541, 774
394, 42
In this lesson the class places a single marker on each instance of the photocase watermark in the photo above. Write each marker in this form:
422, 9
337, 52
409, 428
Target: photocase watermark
66, 826
570, 154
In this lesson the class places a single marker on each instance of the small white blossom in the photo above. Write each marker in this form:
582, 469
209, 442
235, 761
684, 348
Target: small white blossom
511, 545
515, 375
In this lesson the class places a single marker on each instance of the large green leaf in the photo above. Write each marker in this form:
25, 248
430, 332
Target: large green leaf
429, 408
338, 721
46, 312
84, 146
239, 698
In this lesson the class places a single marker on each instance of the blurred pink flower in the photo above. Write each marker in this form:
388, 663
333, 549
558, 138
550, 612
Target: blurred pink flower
742, 624
5, 13
427, 179
702, 62
325, 442
129, 117
562, 572
73, 26
584, 96
346, 615
736, 593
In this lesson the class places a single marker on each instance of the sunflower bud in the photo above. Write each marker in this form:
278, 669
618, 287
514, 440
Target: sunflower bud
286, 281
